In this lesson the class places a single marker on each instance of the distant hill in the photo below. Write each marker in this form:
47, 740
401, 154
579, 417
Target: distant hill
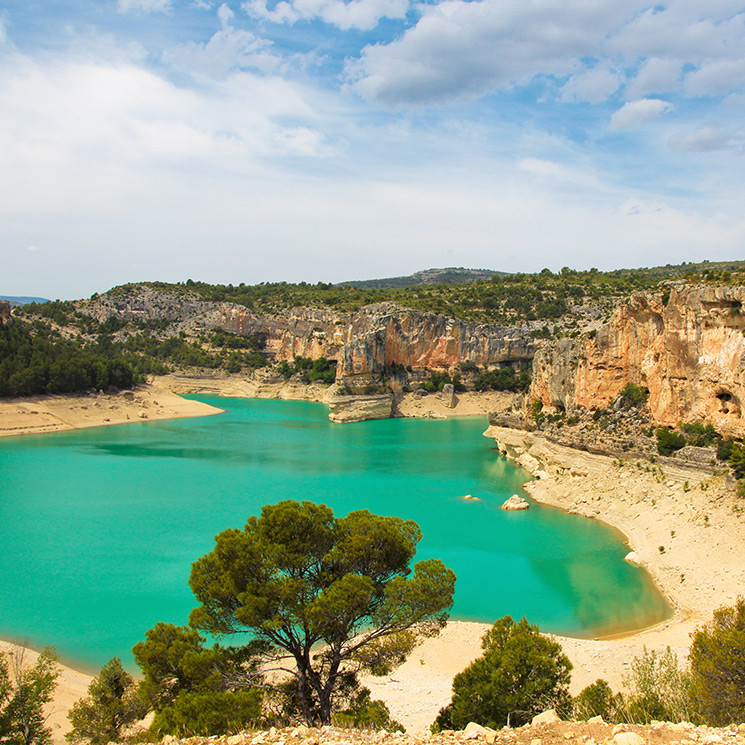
21, 300
448, 276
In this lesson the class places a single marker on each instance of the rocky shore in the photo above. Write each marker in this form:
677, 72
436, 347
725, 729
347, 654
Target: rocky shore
594, 732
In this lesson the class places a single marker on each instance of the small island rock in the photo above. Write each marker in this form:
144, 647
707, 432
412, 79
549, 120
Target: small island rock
516, 503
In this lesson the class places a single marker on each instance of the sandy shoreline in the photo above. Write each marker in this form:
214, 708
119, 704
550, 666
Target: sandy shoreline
683, 525
57, 413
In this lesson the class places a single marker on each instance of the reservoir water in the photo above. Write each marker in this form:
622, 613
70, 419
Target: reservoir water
100, 526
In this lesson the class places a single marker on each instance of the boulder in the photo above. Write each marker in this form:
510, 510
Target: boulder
628, 738
516, 503
448, 395
546, 717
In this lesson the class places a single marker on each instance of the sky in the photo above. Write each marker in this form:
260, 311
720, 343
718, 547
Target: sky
323, 140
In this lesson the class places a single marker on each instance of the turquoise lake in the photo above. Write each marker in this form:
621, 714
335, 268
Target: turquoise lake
100, 526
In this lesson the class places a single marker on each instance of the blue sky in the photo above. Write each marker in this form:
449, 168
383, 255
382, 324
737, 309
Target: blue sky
265, 140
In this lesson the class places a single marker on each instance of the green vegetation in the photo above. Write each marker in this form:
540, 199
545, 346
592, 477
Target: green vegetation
189, 687
310, 370
520, 674
717, 660
634, 395
659, 688
669, 441
504, 379
33, 363
111, 705
438, 380
298, 577
24, 691
598, 700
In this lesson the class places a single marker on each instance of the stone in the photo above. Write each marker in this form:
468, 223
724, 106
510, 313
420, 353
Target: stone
632, 558
516, 502
546, 717
596, 720
361, 408
474, 730
628, 738
448, 395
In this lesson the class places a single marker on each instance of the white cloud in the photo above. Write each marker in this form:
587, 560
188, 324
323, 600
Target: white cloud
358, 14
32, 249
716, 78
144, 6
636, 114
593, 86
229, 49
656, 75
459, 50
704, 139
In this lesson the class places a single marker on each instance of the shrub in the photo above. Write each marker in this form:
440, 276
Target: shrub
659, 689
520, 674
669, 441
717, 660
634, 395
598, 699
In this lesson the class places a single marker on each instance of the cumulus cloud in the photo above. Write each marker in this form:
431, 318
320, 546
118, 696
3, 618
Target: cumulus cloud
144, 6
636, 114
460, 49
229, 49
359, 14
704, 139
593, 86
655, 75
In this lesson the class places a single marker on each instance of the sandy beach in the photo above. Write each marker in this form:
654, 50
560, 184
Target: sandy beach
684, 526
42, 414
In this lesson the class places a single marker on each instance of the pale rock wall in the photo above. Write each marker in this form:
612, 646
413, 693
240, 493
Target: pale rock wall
689, 352
360, 408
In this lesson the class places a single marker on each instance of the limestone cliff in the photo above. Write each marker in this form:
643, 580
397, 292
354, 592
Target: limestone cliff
685, 345
362, 343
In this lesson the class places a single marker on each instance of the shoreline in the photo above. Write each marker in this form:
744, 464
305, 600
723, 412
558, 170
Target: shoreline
690, 544
38, 415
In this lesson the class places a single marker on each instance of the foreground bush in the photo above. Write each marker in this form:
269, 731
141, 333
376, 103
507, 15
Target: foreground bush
520, 674
717, 659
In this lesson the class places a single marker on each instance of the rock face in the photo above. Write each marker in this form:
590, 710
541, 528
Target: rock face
363, 343
360, 408
5, 317
688, 351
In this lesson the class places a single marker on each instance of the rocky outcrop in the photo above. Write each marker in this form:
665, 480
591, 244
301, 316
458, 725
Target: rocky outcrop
5, 317
363, 343
360, 408
384, 334
515, 503
686, 346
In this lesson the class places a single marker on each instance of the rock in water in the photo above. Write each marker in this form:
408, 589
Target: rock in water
516, 503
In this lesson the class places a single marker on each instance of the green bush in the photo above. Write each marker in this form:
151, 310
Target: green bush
634, 395
669, 441
717, 659
209, 713
596, 700
659, 688
520, 674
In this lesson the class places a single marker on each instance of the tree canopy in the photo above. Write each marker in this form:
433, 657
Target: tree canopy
327, 596
520, 674
24, 690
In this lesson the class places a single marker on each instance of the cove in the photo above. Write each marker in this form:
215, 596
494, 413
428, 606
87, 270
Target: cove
100, 526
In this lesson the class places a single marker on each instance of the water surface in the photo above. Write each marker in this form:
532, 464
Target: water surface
100, 526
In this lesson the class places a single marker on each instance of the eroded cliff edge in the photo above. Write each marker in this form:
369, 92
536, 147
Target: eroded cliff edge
685, 344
